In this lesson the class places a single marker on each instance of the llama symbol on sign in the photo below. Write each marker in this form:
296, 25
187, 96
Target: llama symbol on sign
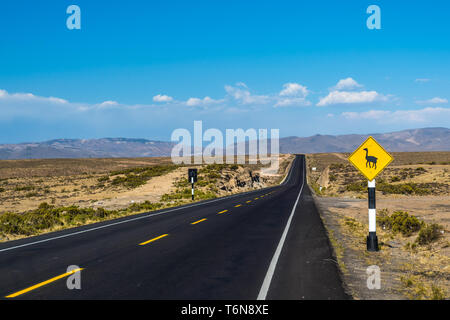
371, 162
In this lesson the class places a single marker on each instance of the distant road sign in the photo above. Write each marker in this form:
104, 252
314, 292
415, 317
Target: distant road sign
370, 158
192, 173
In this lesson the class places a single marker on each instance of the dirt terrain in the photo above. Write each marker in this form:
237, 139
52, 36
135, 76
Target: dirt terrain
415, 183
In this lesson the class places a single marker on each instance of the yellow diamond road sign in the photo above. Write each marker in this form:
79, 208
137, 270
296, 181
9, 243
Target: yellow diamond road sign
370, 158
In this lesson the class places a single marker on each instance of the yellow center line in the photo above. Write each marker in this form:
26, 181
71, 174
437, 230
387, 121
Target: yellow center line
238, 205
256, 198
248, 201
198, 221
13, 295
154, 239
222, 211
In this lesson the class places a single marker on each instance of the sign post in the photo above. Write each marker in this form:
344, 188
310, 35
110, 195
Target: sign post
370, 159
192, 176
372, 239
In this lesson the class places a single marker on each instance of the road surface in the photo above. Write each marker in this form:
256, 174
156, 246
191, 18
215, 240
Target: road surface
265, 244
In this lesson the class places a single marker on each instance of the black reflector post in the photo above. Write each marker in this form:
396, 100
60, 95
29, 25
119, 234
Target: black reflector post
372, 239
192, 176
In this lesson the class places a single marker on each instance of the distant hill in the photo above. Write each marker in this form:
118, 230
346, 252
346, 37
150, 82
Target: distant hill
92, 148
426, 139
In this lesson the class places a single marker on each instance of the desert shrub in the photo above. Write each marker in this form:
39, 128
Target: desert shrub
357, 186
146, 205
213, 175
437, 293
129, 181
403, 188
429, 233
2, 189
186, 194
202, 195
213, 188
400, 221
337, 166
395, 179
38, 221
80, 219
353, 224
12, 223
103, 179
101, 213
202, 183
31, 194
333, 177
24, 188
316, 188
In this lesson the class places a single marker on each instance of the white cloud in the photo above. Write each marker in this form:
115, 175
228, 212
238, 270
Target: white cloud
192, 102
422, 80
347, 84
287, 102
244, 96
400, 116
241, 84
24, 97
294, 89
292, 94
162, 98
107, 104
435, 100
350, 97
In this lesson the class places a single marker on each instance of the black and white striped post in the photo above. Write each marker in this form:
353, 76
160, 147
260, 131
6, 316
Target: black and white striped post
372, 239
192, 174
192, 181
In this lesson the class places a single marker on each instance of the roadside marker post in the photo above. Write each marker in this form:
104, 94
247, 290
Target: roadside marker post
372, 239
192, 177
370, 159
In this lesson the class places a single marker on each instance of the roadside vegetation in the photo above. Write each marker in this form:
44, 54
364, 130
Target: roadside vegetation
48, 217
400, 222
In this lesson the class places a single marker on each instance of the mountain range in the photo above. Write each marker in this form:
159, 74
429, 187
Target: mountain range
424, 139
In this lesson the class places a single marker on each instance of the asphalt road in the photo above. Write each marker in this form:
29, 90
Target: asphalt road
268, 244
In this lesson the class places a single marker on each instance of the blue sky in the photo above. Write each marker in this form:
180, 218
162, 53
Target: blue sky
144, 68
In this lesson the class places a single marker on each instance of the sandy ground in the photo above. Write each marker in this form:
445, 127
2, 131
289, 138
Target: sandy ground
151, 191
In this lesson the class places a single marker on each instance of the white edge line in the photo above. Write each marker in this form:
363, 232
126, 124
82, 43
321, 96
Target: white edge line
133, 219
273, 263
